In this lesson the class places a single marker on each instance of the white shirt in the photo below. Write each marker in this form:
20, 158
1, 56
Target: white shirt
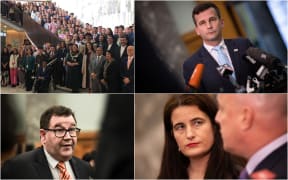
214, 54
109, 46
54, 170
122, 49
261, 154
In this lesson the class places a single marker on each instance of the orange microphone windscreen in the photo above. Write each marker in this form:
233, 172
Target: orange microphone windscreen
196, 76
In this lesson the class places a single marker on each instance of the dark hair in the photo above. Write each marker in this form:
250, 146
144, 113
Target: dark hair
110, 52
86, 48
202, 7
54, 111
174, 163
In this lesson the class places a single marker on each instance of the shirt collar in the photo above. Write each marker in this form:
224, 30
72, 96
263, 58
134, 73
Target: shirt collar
210, 48
262, 153
51, 161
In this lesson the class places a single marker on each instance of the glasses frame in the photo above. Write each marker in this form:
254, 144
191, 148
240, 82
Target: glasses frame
66, 130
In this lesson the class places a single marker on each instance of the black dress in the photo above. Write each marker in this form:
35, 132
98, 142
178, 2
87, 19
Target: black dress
74, 78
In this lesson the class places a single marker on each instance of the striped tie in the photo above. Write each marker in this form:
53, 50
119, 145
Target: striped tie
63, 171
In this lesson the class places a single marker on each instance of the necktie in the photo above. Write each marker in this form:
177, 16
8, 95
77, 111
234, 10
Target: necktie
244, 174
223, 58
63, 171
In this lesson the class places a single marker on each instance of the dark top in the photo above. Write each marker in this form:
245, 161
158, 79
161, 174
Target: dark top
34, 165
212, 81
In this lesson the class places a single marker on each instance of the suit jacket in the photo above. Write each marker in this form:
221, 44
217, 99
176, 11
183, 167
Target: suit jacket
129, 88
124, 55
212, 81
34, 165
97, 67
114, 50
276, 162
112, 77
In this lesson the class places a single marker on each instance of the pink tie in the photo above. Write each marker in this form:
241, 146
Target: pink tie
63, 171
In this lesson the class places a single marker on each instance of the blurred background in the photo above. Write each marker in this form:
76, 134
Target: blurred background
149, 134
166, 37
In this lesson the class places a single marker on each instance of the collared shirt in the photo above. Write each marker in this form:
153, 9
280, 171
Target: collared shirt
109, 46
122, 49
54, 170
214, 54
262, 153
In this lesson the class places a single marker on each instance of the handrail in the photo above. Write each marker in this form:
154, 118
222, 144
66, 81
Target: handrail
37, 34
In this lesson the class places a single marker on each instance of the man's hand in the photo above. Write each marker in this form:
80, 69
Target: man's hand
126, 80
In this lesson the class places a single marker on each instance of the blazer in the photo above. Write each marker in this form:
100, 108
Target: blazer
212, 81
129, 88
97, 67
34, 165
276, 162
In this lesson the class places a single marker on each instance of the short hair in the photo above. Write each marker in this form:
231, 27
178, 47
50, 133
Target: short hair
54, 111
202, 7
110, 52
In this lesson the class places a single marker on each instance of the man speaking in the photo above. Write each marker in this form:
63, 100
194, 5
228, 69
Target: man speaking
54, 160
217, 54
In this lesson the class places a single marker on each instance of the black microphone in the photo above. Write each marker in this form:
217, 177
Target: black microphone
226, 71
270, 71
262, 57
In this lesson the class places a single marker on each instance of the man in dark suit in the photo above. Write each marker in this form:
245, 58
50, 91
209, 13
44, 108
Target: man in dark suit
254, 126
127, 71
208, 25
54, 160
123, 47
112, 47
43, 78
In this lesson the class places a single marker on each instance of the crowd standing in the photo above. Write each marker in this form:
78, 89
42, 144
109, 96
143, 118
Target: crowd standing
92, 58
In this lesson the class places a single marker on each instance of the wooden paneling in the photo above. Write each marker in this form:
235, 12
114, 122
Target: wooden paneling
87, 141
15, 38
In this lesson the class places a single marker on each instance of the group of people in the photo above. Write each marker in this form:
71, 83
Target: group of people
71, 30
12, 11
92, 58
87, 69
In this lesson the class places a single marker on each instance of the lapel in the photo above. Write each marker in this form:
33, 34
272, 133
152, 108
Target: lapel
41, 165
132, 63
234, 55
75, 168
274, 158
207, 59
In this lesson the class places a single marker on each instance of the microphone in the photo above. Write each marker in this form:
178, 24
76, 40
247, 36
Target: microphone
262, 57
271, 73
196, 76
226, 71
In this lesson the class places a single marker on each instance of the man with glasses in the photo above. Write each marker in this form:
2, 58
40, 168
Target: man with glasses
58, 135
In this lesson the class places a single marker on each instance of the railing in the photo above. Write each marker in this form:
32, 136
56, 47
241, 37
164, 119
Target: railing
37, 34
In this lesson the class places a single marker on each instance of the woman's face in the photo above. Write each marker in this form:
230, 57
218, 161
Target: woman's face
74, 48
108, 56
192, 130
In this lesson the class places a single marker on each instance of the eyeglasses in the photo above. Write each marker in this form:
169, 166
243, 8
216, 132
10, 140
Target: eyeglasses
60, 133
